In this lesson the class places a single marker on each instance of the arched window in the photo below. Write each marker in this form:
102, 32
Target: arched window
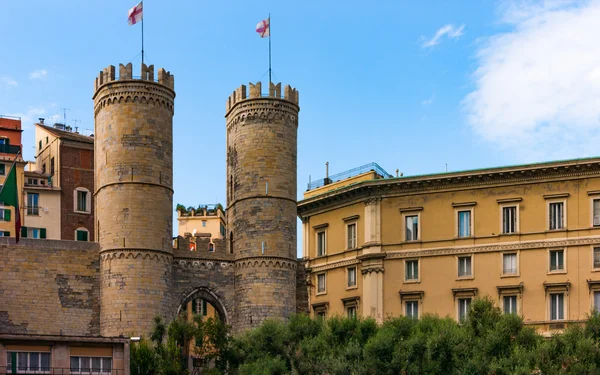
82, 234
82, 200
211, 247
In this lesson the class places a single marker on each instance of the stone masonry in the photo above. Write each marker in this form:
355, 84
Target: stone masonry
261, 196
134, 197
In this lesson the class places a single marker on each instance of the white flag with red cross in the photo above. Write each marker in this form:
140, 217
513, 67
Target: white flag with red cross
263, 28
135, 14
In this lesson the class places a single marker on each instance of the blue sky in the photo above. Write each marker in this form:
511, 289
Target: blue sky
410, 85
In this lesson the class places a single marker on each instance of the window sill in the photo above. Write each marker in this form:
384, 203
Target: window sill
412, 241
352, 287
321, 293
556, 230
465, 238
509, 234
559, 272
595, 270
459, 278
416, 281
508, 275
82, 212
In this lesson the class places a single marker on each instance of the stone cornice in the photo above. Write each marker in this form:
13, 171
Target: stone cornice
525, 245
133, 91
204, 263
341, 263
476, 179
262, 109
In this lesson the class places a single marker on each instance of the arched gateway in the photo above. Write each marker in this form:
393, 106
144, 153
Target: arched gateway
207, 295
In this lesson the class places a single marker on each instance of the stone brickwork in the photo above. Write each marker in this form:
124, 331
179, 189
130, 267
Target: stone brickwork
77, 171
134, 196
261, 196
49, 287
302, 288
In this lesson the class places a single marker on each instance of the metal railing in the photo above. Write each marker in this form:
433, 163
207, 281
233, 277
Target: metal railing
10, 117
9, 149
63, 371
350, 173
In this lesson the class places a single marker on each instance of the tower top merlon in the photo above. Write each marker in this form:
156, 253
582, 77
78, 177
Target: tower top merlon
290, 94
108, 75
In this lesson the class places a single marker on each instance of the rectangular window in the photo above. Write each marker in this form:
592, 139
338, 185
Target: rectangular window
321, 248
33, 232
203, 223
82, 235
411, 270
82, 201
28, 362
351, 277
557, 260
351, 235
556, 213
95, 365
2, 169
597, 301
464, 223
464, 305
464, 266
52, 166
596, 212
510, 304
321, 315
44, 168
33, 204
321, 283
351, 312
557, 306
597, 257
412, 309
411, 228
509, 264
40, 145
509, 219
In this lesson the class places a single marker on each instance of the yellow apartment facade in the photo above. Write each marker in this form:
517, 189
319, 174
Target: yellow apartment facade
204, 221
527, 236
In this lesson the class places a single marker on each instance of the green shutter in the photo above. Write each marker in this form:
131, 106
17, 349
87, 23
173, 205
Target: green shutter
42, 232
194, 307
14, 362
204, 307
6, 234
24, 232
6, 214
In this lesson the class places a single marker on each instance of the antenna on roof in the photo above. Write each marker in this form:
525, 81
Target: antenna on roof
65, 114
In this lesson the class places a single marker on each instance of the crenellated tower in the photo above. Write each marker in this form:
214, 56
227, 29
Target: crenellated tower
261, 195
134, 197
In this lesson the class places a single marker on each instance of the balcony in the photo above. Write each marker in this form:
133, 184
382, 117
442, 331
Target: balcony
9, 149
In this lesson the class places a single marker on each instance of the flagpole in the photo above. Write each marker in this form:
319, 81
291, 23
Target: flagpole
142, 2
269, 49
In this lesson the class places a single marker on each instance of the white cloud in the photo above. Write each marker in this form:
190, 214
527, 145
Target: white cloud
38, 74
450, 30
7, 82
537, 86
32, 115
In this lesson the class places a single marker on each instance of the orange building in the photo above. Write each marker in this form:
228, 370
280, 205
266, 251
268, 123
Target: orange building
10, 149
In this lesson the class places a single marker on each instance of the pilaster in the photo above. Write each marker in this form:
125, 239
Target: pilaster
372, 226
372, 273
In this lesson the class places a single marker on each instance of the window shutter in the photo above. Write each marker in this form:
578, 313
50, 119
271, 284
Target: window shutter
6, 234
204, 312
194, 307
24, 232
6, 214
42, 232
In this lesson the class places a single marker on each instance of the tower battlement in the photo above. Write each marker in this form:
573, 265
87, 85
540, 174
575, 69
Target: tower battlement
108, 74
289, 93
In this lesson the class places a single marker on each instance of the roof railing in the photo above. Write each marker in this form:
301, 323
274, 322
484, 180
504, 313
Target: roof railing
349, 173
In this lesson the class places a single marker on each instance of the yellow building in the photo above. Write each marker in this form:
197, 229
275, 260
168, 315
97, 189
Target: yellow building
41, 201
528, 236
204, 221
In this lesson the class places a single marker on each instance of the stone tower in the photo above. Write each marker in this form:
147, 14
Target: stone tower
261, 201
134, 197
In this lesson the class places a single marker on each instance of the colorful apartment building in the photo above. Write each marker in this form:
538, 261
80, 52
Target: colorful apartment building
10, 152
528, 236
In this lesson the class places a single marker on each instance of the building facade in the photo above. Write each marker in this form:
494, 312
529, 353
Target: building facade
10, 151
206, 220
527, 236
64, 163
41, 201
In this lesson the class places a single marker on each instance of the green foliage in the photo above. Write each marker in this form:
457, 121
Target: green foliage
487, 342
180, 207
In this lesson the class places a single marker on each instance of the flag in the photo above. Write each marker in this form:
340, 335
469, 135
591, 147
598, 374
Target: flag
264, 28
135, 14
9, 194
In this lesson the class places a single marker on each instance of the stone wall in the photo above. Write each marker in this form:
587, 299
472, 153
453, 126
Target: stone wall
49, 287
301, 288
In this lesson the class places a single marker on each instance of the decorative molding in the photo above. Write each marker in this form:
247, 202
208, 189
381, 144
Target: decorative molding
559, 286
350, 300
134, 91
464, 292
157, 255
410, 209
203, 263
503, 289
464, 204
269, 262
594, 192
509, 200
554, 196
337, 264
321, 226
370, 269
411, 293
372, 201
351, 218
401, 254
254, 110
593, 284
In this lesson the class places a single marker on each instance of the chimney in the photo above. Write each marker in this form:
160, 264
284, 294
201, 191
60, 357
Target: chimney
41, 120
